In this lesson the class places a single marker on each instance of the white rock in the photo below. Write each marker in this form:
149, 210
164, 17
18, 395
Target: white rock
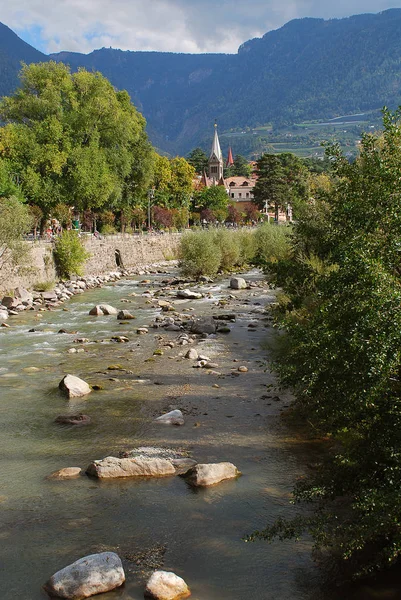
210, 474
3, 315
74, 387
112, 467
164, 585
189, 294
192, 354
66, 473
238, 283
108, 310
174, 417
96, 311
90, 575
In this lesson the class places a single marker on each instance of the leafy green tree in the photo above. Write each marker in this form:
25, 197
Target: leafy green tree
180, 186
72, 138
215, 198
270, 190
342, 357
240, 168
198, 159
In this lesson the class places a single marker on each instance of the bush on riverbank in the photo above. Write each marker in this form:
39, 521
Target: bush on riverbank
69, 254
208, 252
199, 255
343, 358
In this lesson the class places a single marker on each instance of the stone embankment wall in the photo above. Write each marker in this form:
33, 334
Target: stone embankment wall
107, 254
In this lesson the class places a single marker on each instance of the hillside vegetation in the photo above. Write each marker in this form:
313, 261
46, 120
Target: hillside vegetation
308, 69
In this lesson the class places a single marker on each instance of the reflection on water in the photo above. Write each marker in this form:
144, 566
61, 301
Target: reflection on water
47, 524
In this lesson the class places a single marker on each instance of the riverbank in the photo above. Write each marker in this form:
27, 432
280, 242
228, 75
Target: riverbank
21, 299
112, 253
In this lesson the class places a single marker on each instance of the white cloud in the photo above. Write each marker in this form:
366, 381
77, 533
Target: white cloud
167, 25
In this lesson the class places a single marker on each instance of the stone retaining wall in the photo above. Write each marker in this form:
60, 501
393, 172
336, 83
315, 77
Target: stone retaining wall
129, 250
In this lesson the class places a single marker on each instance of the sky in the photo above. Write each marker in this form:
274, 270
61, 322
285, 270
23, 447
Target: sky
165, 25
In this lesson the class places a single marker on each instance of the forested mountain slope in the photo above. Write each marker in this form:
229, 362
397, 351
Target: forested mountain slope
307, 69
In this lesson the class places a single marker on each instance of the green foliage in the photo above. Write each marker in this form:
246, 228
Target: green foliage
108, 229
343, 356
198, 255
240, 168
282, 179
208, 251
272, 243
230, 250
198, 159
214, 198
43, 286
73, 139
15, 222
69, 254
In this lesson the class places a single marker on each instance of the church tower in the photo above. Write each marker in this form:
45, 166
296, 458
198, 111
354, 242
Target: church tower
216, 159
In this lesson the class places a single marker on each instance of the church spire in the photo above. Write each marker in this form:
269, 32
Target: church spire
230, 160
215, 158
216, 150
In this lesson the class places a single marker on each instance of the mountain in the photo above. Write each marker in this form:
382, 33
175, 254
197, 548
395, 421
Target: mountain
13, 51
308, 69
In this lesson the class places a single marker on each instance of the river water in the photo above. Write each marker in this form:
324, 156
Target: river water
47, 524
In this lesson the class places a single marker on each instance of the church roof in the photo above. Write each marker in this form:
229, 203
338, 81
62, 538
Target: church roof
216, 150
230, 160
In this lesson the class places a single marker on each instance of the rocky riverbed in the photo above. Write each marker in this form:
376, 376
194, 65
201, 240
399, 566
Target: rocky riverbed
194, 352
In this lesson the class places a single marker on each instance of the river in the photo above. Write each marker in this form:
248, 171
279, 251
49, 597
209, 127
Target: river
47, 524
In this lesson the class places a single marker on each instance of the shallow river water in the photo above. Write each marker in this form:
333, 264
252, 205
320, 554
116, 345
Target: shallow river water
47, 524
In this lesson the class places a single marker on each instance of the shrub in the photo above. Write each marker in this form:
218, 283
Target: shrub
248, 245
69, 254
15, 222
230, 250
272, 243
108, 230
199, 255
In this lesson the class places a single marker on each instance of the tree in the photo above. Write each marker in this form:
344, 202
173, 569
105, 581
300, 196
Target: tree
240, 168
343, 360
180, 186
270, 189
15, 222
215, 198
198, 159
72, 138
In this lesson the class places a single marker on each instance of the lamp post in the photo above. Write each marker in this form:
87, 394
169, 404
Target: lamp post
151, 196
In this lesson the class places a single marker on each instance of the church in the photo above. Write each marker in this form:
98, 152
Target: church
239, 189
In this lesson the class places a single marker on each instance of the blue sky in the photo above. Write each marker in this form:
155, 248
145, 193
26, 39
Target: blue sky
167, 25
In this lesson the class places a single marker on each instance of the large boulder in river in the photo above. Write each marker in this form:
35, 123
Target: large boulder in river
164, 585
174, 417
90, 575
189, 294
204, 325
74, 387
103, 309
112, 467
238, 283
66, 473
209, 474
124, 315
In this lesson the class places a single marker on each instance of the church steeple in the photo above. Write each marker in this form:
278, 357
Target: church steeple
216, 158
